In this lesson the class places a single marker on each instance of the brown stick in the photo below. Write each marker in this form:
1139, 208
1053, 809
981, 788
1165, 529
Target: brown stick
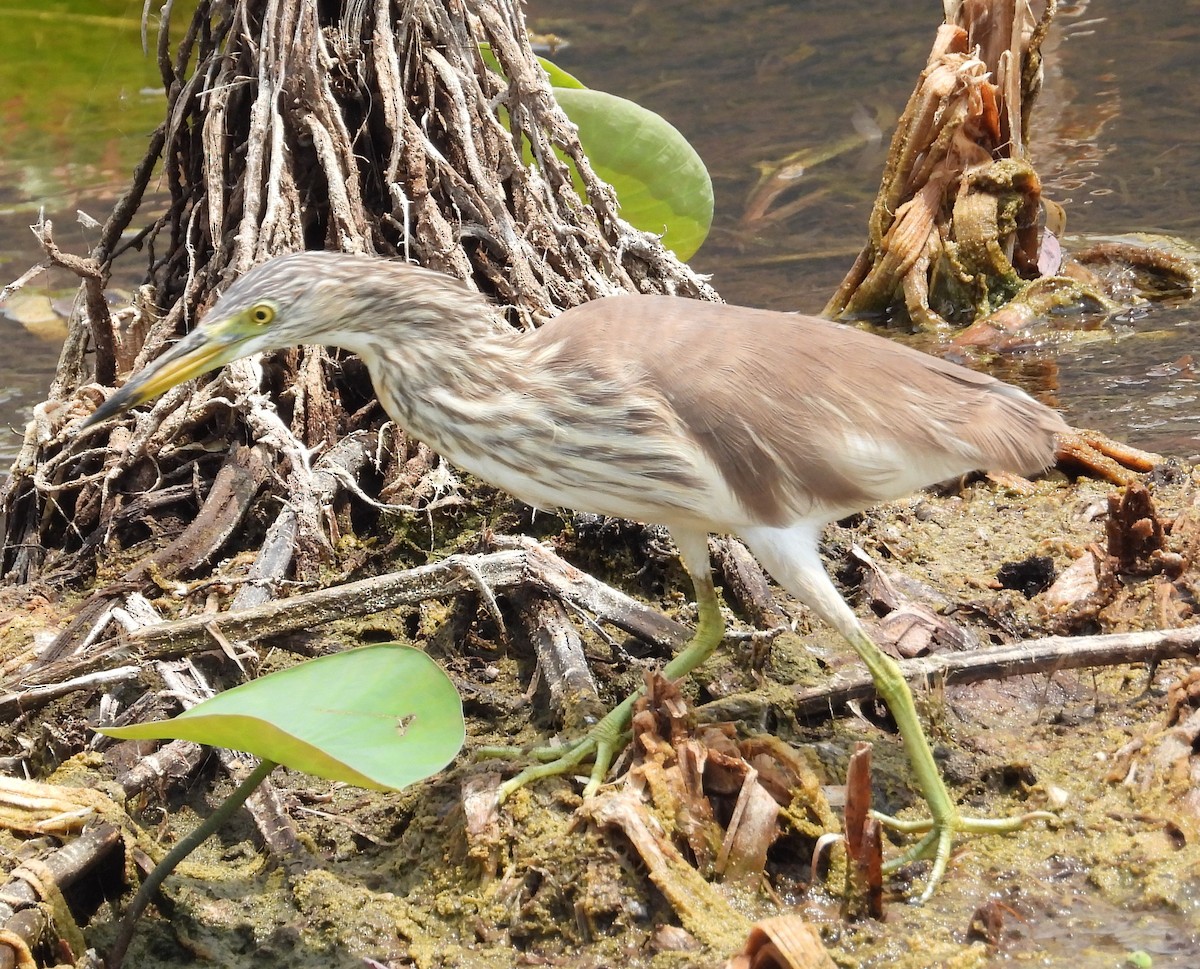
559, 648
25, 915
1033, 656
500, 570
523, 563
529, 562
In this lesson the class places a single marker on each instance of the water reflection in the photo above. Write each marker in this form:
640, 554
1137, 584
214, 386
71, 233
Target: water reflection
751, 84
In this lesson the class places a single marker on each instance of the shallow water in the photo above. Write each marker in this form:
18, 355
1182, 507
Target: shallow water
78, 100
748, 84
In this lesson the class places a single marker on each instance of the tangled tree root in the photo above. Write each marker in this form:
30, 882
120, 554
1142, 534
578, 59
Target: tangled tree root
374, 130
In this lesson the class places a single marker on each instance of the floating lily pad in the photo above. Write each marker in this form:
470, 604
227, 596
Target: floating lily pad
661, 182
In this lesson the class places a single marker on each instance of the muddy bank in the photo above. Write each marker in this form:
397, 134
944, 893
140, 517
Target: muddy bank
424, 878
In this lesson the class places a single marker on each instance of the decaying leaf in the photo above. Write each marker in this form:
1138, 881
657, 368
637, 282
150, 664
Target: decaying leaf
700, 804
783, 942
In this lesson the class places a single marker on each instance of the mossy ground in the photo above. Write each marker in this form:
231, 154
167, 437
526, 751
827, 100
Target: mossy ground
400, 881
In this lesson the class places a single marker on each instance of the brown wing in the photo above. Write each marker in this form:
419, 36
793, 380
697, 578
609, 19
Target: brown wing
802, 415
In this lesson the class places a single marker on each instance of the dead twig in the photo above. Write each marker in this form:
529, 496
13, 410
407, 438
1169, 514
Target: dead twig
1045, 655
561, 659
31, 273
527, 564
28, 910
32, 697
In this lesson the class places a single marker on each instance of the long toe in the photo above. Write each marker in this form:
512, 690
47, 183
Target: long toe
600, 745
939, 835
566, 762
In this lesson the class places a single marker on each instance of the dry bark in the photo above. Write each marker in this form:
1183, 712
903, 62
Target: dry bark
372, 128
1046, 655
955, 224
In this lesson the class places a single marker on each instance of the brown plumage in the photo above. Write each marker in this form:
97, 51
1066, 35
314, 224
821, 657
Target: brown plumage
699, 416
800, 417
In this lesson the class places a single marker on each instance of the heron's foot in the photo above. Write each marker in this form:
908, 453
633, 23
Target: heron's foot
939, 838
600, 745
607, 738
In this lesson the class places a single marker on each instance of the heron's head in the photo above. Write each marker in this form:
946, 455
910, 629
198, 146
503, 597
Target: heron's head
355, 302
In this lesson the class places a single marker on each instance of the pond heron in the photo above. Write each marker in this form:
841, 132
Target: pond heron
699, 416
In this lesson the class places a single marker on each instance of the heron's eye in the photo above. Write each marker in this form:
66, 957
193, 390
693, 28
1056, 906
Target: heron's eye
262, 314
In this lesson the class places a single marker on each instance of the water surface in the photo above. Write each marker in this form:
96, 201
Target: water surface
749, 83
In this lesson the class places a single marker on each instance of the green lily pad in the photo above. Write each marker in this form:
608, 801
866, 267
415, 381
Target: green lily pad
382, 717
661, 182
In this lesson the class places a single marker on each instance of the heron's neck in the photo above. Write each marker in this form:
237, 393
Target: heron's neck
451, 383
518, 412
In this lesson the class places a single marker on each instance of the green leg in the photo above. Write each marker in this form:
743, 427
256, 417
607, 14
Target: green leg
791, 556
603, 742
944, 820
